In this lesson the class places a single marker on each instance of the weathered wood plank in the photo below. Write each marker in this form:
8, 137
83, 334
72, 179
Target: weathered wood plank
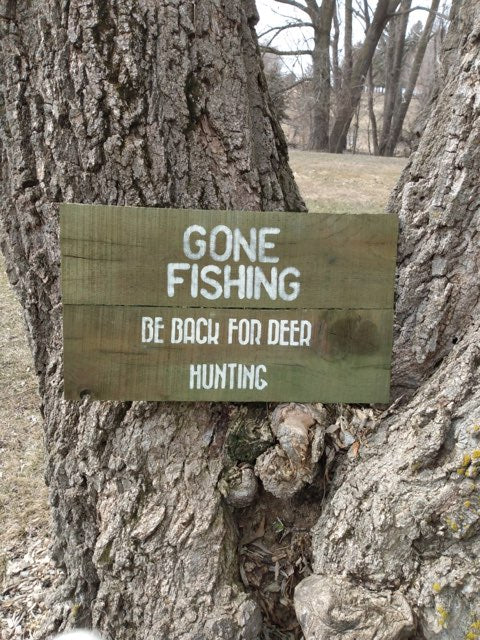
347, 358
120, 256
315, 292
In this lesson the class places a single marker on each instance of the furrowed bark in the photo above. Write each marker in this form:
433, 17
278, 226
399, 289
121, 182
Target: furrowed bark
132, 103
397, 544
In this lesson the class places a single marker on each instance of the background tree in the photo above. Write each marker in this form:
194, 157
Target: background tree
336, 73
133, 103
352, 92
348, 42
321, 83
390, 139
397, 33
371, 89
319, 18
391, 71
397, 544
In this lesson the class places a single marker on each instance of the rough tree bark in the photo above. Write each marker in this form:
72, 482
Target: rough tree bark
136, 102
352, 91
151, 103
397, 546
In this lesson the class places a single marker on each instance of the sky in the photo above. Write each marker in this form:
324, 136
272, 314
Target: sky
273, 13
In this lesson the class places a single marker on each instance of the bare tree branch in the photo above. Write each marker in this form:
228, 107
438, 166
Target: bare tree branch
437, 13
286, 26
292, 86
313, 7
298, 52
297, 5
362, 11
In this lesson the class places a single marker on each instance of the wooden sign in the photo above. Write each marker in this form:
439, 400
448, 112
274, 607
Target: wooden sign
166, 304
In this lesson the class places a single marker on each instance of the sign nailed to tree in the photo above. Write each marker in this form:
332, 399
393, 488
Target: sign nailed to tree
223, 305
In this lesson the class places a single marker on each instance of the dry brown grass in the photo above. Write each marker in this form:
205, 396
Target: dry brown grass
345, 183
23, 495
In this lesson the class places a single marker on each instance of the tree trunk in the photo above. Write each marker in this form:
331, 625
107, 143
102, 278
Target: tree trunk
371, 113
352, 92
356, 128
337, 74
397, 546
371, 89
390, 45
321, 77
401, 110
133, 103
348, 43
395, 51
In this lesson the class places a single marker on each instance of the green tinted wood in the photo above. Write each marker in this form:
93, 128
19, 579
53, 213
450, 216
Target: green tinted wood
120, 255
307, 316
347, 357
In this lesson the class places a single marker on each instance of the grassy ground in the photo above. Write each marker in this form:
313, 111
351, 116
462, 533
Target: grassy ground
345, 183
328, 183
